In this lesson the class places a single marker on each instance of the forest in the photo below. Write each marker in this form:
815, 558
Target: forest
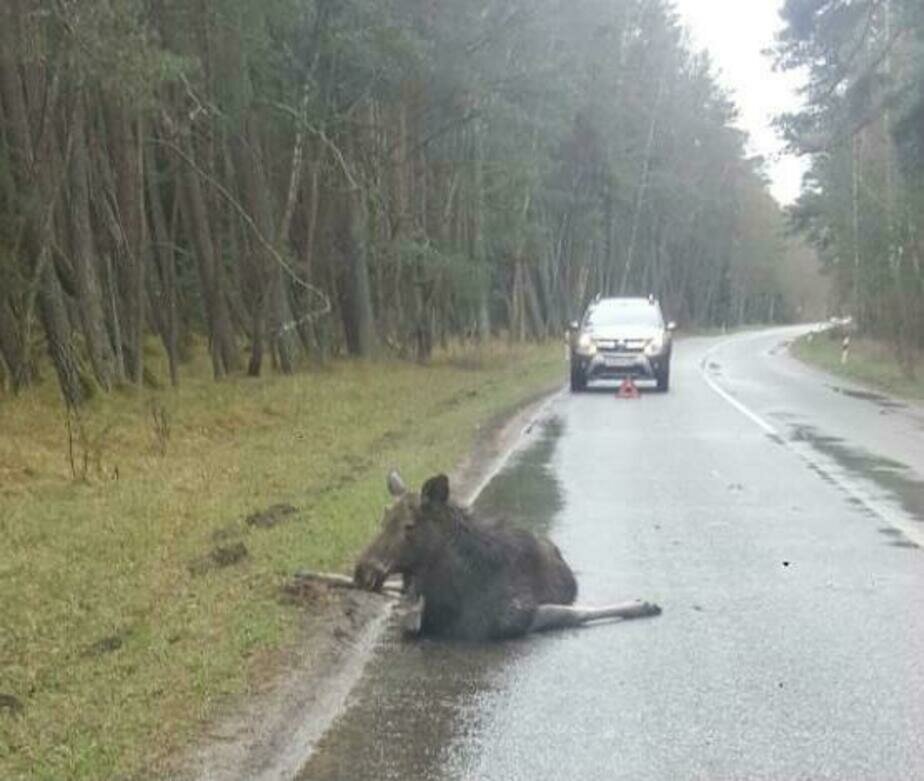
862, 128
288, 181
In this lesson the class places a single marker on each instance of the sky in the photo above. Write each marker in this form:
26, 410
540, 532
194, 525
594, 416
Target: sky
735, 32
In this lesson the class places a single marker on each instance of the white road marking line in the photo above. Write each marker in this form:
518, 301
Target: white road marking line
808, 454
753, 416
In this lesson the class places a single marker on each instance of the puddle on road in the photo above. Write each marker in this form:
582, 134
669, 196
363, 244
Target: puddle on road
891, 477
854, 460
419, 698
526, 493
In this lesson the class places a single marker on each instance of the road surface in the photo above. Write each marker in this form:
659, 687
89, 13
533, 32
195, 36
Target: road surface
775, 514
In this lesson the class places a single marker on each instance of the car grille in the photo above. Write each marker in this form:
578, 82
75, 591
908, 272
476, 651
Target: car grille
621, 347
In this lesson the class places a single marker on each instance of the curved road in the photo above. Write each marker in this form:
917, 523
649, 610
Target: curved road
773, 512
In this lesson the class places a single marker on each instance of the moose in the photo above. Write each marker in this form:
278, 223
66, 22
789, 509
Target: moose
470, 579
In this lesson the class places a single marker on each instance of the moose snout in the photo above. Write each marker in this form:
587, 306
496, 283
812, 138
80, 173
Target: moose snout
370, 574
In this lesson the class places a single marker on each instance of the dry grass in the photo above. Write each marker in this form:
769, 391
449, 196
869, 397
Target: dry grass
113, 646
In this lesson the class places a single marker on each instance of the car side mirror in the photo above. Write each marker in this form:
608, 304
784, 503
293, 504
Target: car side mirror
672, 326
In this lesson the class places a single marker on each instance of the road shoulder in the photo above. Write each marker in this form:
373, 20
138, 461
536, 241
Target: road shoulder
870, 363
270, 733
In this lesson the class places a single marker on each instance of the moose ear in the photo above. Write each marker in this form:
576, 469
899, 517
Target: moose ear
436, 489
396, 486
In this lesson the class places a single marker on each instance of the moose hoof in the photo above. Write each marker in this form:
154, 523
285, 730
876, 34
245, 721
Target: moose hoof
411, 616
649, 609
411, 623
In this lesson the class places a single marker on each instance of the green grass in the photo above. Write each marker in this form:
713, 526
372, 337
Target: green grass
115, 650
870, 362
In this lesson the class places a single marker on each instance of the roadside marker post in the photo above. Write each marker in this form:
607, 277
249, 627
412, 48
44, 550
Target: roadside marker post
845, 350
628, 390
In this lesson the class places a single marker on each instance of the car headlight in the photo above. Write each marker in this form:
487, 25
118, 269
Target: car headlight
655, 346
586, 346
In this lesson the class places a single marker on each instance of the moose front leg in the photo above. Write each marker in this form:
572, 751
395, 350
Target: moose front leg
564, 616
411, 608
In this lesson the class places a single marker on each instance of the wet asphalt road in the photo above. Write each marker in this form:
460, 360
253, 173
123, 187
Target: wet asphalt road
772, 511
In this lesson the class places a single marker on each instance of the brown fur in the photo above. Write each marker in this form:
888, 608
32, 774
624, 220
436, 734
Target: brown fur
478, 581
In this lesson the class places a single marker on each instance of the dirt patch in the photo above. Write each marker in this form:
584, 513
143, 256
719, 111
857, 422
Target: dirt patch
271, 516
10, 704
229, 531
302, 689
304, 593
107, 645
219, 557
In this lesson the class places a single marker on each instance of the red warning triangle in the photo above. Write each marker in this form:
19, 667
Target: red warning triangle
628, 390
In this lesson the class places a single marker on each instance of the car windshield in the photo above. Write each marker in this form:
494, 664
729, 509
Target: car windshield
608, 315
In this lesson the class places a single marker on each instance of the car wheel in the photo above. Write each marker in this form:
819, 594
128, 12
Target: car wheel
663, 378
578, 380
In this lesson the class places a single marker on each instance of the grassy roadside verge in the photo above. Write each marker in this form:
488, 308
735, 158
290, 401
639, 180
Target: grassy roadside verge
118, 634
714, 330
871, 363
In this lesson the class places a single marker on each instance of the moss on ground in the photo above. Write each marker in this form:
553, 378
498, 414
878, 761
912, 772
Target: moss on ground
135, 595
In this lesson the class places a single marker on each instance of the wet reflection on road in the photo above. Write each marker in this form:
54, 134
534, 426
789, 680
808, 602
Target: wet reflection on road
419, 699
894, 479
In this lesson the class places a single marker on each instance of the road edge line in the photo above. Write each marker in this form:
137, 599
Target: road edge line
869, 503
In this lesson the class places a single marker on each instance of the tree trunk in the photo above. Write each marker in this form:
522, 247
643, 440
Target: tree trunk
125, 150
166, 309
11, 348
642, 189
483, 317
273, 312
358, 270
423, 322
211, 269
58, 337
84, 257
855, 225
34, 177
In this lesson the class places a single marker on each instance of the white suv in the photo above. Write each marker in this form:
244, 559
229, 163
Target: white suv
619, 338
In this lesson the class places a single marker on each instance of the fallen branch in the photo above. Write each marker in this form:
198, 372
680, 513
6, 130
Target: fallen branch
392, 587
